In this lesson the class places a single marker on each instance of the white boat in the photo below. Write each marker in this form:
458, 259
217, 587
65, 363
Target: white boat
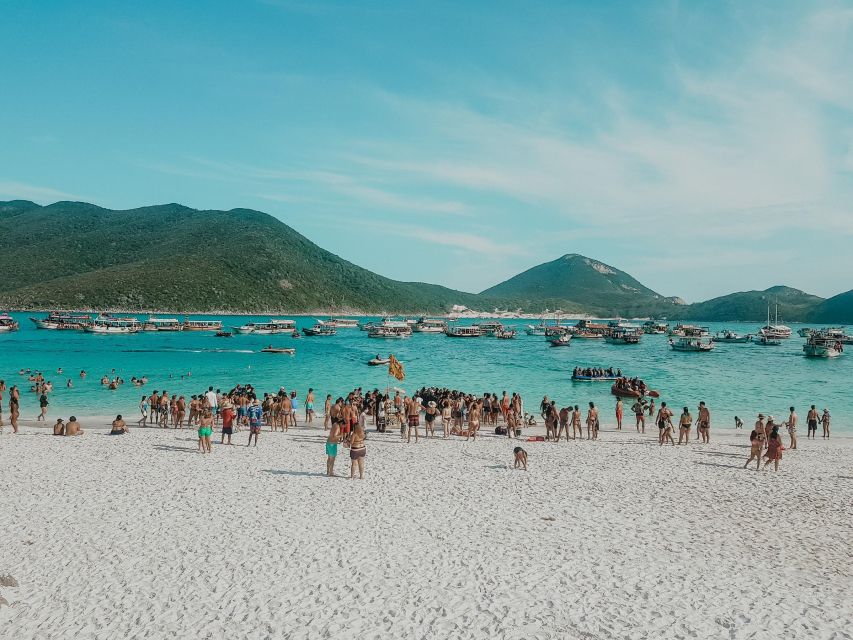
272, 349
320, 329
8, 323
489, 327
111, 325
391, 329
505, 334
689, 331
805, 332
342, 323
624, 334
730, 337
653, 328
775, 330
202, 325
690, 343
59, 321
162, 324
430, 325
823, 345
456, 331
267, 328
763, 340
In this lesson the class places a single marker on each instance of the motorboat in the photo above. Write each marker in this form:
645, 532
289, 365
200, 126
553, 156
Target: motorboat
430, 325
106, 324
689, 331
652, 328
763, 340
8, 323
623, 333
271, 327
162, 324
564, 340
823, 345
690, 343
391, 329
320, 329
806, 332
342, 323
489, 327
59, 321
223, 334
272, 349
202, 325
730, 337
505, 334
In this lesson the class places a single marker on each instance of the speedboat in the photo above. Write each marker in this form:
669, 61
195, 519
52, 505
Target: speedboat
564, 340
272, 349
319, 329
730, 337
8, 323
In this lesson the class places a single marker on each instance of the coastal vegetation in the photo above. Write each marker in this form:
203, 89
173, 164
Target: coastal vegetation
74, 255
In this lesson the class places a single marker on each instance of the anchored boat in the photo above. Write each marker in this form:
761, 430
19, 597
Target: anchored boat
730, 337
106, 324
823, 345
688, 343
8, 323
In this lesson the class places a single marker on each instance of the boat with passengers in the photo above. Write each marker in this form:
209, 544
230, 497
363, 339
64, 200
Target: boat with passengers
162, 324
8, 323
459, 331
652, 328
391, 330
776, 331
823, 345
430, 325
107, 324
62, 321
690, 343
271, 327
619, 332
202, 325
727, 336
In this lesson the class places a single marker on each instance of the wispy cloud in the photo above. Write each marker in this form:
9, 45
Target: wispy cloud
470, 242
12, 190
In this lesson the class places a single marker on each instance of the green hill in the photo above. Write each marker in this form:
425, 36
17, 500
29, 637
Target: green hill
794, 305
80, 256
575, 283
837, 309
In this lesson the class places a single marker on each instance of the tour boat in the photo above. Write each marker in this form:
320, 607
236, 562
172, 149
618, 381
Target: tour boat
320, 329
472, 331
202, 325
342, 323
588, 335
59, 321
391, 329
505, 334
536, 329
564, 340
763, 340
8, 323
775, 330
623, 333
823, 345
651, 327
267, 328
689, 331
489, 327
730, 337
837, 333
272, 349
106, 324
690, 343
806, 332
162, 324
430, 325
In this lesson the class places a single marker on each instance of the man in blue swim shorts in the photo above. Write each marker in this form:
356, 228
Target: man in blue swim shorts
332, 448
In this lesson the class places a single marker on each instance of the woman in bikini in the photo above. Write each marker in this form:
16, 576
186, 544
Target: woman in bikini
684, 424
774, 449
357, 452
756, 442
430, 414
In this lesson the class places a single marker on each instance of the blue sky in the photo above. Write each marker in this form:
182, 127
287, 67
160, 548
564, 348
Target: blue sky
702, 147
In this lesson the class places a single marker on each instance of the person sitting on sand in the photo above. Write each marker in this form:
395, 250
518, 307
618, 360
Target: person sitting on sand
59, 427
520, 458
72, 427
774, 449
119, 427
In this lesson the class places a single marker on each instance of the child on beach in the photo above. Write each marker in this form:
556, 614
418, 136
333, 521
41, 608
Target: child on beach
520, 458
774, 450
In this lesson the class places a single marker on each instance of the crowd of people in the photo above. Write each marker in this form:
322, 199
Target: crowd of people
596, 372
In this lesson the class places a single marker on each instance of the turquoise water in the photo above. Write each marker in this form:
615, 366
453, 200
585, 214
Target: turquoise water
733, 379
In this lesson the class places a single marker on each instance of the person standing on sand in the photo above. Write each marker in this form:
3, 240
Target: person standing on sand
703, 423
756, 445
430, 414
294, 409
205, 430
413, 411
552, 418
663, 419
473, 420
332, 442
226, 411
565, 415
143, 410
639, 414
592, 421
774, 449
684, 425
182, 410
792, 428
212, 402
619, 414
357, 452
14, 407
327, 412
811, 422
759, 426
824, 420
256, 417
309, 407
285, 409
577, 429
2, 389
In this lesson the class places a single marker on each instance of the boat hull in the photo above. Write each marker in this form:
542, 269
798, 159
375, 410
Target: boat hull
814, 351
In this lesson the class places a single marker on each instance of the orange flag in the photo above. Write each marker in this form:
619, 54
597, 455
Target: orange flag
395, 368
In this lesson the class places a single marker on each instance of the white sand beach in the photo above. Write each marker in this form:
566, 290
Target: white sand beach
140, 536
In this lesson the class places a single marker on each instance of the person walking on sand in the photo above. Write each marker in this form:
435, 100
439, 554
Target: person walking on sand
309, 407
684, 424
824, 420
327, 412
357, 452
143, 410
43, 405
332, 441
256, 417
756, 445
663, 419
774, 449
619, 414
811, 422
205, 430
703, 424
430, 414
639, 414
759, 426
792, 428
592, 421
